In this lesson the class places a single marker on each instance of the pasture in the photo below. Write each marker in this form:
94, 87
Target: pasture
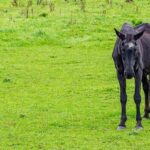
58, 85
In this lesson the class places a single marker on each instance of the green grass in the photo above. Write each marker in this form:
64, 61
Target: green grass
58, 86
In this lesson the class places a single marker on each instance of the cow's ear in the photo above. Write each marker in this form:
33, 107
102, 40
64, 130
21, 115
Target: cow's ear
119, 34
138, 35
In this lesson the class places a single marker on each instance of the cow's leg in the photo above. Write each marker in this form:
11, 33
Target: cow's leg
147, 95
123, 100
148, 108
137, 97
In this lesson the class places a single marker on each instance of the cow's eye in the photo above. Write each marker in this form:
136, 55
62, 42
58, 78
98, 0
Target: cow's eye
122, 44
123, 50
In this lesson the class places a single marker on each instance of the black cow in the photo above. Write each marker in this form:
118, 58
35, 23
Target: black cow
131, 56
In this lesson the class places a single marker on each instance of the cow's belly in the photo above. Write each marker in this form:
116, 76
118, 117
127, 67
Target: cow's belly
145, 41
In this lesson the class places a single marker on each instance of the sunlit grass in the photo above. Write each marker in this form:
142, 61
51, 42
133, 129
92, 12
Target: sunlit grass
58, 86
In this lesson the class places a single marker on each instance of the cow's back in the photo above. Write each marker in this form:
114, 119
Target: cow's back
145, 43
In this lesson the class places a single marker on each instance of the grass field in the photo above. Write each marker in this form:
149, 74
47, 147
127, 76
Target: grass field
58, 86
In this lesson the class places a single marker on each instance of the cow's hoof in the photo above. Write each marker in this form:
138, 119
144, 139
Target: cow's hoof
121, 127
138, 127
146, 116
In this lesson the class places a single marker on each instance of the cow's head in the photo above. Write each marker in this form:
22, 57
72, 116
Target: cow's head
129, 51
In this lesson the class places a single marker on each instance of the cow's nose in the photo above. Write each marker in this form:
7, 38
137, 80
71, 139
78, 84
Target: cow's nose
129, 75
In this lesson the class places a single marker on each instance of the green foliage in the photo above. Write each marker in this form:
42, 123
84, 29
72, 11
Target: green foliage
136, 22
58, 86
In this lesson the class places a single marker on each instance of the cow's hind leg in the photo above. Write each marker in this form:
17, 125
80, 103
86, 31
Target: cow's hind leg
146, 85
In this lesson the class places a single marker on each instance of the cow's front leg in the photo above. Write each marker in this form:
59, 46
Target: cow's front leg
137, 97
123, 100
